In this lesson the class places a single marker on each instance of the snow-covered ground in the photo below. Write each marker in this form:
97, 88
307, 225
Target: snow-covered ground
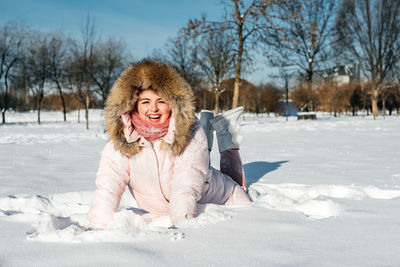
325, 192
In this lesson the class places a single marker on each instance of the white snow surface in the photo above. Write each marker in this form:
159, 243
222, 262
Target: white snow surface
325, 193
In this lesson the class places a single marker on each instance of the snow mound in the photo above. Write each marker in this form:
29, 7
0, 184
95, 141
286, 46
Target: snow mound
63, 218
315, 201
374, 192
319, 209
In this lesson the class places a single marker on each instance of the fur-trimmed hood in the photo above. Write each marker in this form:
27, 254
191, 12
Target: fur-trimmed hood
161, 77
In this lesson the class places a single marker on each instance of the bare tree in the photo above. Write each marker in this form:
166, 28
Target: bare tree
370, 30
216, 60
109, 61
58, 52
181, 52
38, 62
243, 22
303, 32
82, 65
21, 82
11, 38
286, 73
280, 59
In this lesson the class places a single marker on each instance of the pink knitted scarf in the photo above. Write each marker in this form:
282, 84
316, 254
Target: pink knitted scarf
147, 129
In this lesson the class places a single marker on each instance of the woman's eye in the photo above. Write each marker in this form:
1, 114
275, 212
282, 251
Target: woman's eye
161, 101
144, 102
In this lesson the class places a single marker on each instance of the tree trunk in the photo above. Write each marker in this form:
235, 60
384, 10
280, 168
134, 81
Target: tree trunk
310, 74
216, 107
26, 90
12, 98
64, 109
79, 113
310, 96
63, 104
334, 107
4, 110
6, 90
374, 103
87, 111
62, 101
3, 114
236, 85
287, 98
39, 107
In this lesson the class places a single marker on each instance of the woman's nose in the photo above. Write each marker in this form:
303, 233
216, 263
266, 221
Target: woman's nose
154, 107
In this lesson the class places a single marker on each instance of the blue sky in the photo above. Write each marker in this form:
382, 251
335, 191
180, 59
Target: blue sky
144, 25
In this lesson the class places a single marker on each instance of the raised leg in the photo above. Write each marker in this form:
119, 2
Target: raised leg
231, 164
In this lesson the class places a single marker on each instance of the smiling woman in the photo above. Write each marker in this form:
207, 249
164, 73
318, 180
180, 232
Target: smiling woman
160, 150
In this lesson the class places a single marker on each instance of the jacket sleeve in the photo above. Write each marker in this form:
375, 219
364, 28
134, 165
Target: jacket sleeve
111, 180
189, 175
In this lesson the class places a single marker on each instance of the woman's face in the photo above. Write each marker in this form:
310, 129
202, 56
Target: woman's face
152, 108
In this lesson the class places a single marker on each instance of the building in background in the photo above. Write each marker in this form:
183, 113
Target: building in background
343, 74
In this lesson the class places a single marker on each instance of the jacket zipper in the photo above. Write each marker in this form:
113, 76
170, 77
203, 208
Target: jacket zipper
159, 174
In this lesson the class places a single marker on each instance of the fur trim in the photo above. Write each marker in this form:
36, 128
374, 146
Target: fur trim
161, 77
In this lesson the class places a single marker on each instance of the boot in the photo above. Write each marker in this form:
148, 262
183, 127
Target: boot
205, 117
231, 164
227, 129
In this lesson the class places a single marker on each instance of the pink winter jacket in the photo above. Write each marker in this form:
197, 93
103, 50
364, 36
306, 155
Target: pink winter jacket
168, 176
161, 183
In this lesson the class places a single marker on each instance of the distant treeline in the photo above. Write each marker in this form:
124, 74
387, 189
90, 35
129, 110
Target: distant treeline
304, 41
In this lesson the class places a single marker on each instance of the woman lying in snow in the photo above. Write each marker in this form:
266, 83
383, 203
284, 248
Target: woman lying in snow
161, 151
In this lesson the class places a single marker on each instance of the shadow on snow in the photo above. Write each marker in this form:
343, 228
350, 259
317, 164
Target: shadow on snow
254, 171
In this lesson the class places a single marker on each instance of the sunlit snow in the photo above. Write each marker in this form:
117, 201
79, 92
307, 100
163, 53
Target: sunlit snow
325, 192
